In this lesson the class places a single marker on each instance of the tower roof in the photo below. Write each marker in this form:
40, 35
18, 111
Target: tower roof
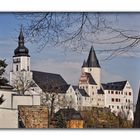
21, 50
92, 60
84, 64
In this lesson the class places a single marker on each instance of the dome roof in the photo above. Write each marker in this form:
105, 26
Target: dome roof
21, 50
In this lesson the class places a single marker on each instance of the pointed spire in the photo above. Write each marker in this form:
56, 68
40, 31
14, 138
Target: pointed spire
84, 64
21, 38
92, 60
21, 50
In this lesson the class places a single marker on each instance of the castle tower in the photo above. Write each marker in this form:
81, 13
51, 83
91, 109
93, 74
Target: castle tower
21, 60
92, 66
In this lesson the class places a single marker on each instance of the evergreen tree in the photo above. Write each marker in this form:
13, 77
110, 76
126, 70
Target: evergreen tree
1, 99
3, 80
61, 123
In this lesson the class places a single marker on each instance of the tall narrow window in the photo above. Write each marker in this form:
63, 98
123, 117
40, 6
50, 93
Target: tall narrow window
16, 67
27, 68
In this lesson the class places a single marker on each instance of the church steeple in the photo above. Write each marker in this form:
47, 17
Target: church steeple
92, 60
21, 50
21, 38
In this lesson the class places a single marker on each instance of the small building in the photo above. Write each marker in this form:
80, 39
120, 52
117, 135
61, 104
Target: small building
72, 118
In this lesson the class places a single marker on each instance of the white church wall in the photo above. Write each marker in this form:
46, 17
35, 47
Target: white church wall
72, 96
24, 100
7, 98
8, 118
16, 62
36, 100
25, 63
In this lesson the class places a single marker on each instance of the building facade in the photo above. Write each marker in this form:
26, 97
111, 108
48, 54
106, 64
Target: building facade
118, 96
90, 92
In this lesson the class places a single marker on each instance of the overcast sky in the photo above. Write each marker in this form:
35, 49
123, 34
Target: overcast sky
68, 63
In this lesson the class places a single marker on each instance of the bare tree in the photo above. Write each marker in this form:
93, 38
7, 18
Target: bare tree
53, 97
50, 97
22, 83
77, 31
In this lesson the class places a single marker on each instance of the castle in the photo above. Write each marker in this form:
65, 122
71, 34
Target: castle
30, 87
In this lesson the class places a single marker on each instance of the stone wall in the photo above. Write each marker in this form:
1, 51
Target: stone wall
75, 124
33, 116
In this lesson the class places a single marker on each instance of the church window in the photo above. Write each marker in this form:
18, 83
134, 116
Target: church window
122, 93
129, 93
117, 107
16, 67
112, 106
109, 92
92, 93
112, 92
27, 68
109, 106
116, 92
112, 99
90, 69
126, 100
117, 100
125, 93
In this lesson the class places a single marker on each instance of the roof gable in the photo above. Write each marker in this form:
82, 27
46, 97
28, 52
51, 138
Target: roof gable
46, 80
83, 92
114, 85
92, 60
90, 79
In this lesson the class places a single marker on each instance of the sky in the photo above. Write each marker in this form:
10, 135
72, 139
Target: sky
68, 63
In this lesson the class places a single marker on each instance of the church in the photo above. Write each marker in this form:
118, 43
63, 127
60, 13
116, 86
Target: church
30, 87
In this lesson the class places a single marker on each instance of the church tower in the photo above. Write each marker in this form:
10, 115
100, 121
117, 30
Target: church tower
21, 60
92, 66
